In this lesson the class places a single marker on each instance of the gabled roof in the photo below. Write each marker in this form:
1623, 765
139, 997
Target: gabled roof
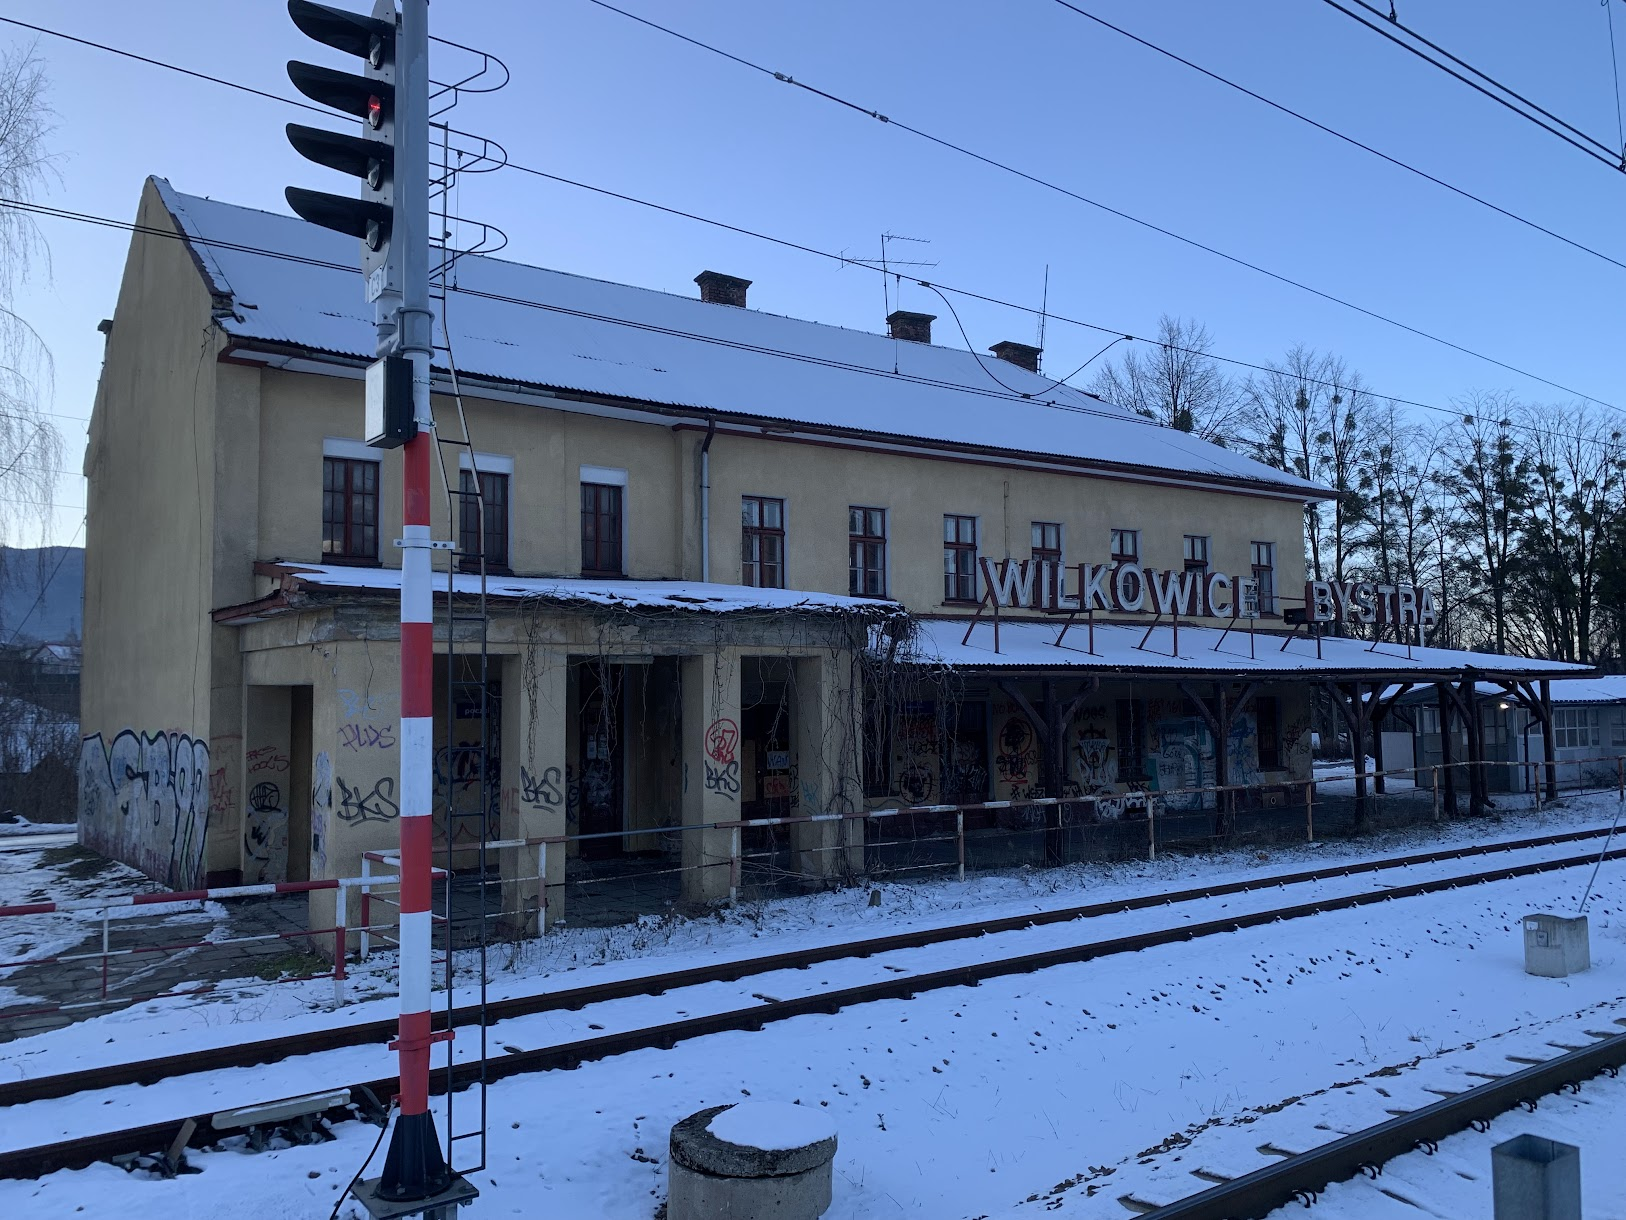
550, 330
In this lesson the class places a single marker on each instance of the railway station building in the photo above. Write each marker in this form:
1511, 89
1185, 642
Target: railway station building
736, 566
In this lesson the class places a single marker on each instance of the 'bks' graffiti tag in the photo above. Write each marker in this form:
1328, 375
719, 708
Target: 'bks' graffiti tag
367, 736
544, 790
722, 738
375, 806
724, 780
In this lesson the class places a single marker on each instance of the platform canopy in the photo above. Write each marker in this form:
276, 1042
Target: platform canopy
1042, 647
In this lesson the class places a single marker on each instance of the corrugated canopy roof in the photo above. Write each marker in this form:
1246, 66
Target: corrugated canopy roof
547, 329
1030, 645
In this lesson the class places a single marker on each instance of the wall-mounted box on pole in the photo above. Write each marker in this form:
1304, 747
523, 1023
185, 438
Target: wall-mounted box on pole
390, 421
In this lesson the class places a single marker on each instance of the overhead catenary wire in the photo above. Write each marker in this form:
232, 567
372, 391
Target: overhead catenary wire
1491, 88
977, 156
1068, 192
39, 598
1347, 139
864, 263
1614, 68
1120, 413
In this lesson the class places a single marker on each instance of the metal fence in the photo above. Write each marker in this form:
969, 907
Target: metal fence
759, 858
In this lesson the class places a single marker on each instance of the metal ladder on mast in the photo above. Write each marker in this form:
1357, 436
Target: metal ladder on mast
466, 769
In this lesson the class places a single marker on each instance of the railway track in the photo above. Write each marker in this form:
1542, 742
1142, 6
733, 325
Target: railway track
85, 1149
1302, 1177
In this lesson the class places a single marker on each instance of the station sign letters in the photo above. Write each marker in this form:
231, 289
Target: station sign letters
1123, 588
1130, 588
1363, 601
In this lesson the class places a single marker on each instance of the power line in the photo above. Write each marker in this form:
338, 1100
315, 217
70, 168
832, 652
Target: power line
1120, 413
1336, 134
1534, 114
862, 263
1614, 67
1069, 193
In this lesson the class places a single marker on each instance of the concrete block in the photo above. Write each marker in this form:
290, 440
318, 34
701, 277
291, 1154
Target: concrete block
710, 1177
1535, 1179
1556, 946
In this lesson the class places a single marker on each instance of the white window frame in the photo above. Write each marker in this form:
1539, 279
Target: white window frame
355, 451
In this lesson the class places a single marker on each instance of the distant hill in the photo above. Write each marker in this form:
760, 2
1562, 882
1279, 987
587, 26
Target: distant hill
42, 593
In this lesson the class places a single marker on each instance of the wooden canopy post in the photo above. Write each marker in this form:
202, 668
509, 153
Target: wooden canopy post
1448, 768
1468, 700
1353, 710
1548, 740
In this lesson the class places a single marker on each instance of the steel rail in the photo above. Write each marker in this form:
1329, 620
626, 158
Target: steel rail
270, 1050
83, 1150
1261, 1192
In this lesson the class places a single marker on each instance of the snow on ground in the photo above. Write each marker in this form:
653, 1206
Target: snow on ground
29, 874
1060, 1090
240, 1010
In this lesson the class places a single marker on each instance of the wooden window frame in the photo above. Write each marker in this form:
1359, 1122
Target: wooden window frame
1042, 552
597, 547
959, 576
753, 537
1122, 556
1265, 575
1197, 562
493, 501
866, 551
345, 524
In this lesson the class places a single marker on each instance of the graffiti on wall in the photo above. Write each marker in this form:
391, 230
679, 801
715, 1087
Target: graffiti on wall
1017, 752
377, 805
1182, 757
145, 799
367, 736
541, 791
265, 834
357, 706
722, 763
321, 808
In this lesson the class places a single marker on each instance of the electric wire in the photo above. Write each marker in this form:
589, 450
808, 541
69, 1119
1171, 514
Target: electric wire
1348, 139
864, 263
1608, 156
1117, 413
1614, 68
1069, 193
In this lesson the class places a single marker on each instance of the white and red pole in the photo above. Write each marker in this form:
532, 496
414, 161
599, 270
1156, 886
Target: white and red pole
415, 1168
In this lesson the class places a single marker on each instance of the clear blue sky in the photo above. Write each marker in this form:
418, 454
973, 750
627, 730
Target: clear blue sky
598, 98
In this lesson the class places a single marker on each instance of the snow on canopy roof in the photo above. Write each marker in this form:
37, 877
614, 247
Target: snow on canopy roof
1608, 689
566, 332
692, 595
1026, 644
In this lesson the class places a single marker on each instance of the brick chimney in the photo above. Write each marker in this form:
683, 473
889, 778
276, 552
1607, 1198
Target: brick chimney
719, 289
915, 327
1023, 355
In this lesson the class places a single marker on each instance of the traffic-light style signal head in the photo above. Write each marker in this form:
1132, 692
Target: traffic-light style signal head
368, 155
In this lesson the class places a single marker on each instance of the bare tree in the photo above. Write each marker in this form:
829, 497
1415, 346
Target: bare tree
1311, 415
1177, 383
1576, 487
30, 448
1488, 476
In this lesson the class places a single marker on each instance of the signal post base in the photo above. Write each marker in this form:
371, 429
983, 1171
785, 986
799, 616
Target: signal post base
442, 1206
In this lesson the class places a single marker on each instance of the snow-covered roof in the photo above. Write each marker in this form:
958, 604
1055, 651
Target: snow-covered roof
1027, 644
1607, 689
531, 326
691, 595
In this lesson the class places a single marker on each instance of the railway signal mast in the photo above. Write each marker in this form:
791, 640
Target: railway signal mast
390, 218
